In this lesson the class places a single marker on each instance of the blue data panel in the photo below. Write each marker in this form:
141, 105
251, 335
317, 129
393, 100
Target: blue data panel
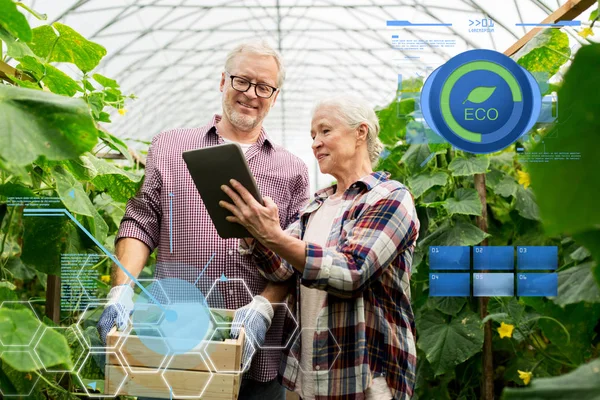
452, 284
501, 258
449, 258
494, 284
537, 257
537, 284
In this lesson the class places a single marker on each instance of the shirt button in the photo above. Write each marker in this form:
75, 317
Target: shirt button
317, 367
230, 252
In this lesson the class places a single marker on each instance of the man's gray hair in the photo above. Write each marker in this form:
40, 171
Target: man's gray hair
356, 111
262, 48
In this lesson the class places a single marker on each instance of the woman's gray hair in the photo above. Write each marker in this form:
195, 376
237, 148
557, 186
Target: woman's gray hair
262, 48
356, 111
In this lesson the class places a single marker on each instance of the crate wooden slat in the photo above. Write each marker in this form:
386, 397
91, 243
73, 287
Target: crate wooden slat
187, 373
184, 383
226, 355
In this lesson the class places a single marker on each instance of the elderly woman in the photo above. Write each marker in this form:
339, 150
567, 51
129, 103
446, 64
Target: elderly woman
350, 253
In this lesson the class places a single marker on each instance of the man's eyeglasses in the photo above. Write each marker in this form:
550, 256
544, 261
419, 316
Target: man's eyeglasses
242, 85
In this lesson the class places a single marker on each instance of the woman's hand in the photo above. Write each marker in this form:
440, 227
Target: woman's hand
261, 221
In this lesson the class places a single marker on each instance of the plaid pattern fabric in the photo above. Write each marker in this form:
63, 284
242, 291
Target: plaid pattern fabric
365, 269
278, 173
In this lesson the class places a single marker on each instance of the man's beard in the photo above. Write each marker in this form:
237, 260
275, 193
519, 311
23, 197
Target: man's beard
239, 120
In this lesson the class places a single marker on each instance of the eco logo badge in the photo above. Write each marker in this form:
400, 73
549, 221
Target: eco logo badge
481, 101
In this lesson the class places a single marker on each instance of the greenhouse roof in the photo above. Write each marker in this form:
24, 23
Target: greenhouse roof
170, 53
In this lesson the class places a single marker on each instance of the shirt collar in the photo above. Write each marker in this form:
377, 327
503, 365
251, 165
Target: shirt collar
263, 138
367, 181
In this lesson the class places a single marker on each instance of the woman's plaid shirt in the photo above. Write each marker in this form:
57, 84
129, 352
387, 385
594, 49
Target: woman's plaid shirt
366, 326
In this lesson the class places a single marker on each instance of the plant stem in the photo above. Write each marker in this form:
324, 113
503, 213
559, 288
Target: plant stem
536, 365
41, 17
542, 351
487, 389
8, 225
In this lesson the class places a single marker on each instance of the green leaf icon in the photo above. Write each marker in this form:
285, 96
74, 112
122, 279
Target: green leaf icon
480, 94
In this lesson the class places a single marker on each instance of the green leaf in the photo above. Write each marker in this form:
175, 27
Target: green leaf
419, 184
35, 123
42, 41
461, 166
460, 233
7, 292
18, 326
447, 305
466, 202
115, 143
60, 83
546, 52
591, 240
33, 66
19, 270
576, 184
105, 82
501, 183
493, 178
580, 254
526, 203
577, 284
121, 185
415, 156
53, 349
393, 127
68, 46
12, 189
13, 21
74, 48
76, 200
44, 255
578, 319
480, 94
26, 84
507, 187
582, 383
71, 192
449, 341
14, 48
594, 14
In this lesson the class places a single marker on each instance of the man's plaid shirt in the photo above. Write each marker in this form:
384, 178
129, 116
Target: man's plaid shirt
366, 326
168, 210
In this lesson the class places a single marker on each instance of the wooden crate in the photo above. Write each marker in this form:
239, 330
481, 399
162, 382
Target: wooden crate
187, 373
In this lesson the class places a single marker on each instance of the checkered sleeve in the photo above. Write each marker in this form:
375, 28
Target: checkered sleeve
300, 191
143, 212
384, 230
270, 265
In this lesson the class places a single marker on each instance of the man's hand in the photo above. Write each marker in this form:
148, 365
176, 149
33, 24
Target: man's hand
117, 310
256, 318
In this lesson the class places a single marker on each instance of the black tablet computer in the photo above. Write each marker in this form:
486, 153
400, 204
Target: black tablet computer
211, 167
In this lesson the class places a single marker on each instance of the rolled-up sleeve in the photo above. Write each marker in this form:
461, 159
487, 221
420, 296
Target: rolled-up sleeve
299, 188
385, 230
272, 266
143, 212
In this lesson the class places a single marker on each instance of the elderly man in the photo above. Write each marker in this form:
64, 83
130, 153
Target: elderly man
168, 213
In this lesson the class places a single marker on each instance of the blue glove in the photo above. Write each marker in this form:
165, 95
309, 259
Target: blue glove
117, 310
256, 318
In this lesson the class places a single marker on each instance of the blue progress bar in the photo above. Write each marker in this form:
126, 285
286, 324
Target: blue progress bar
559, 23
408, 23
43, 215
